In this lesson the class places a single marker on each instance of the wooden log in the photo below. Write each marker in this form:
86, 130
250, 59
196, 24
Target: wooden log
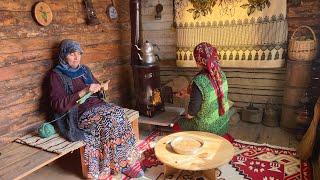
22, 96
9, 18
256, 82
8, 5
243, 75
63, 30
123, 11
167, 55
161, 40
261, 83
248, 91
239, 104
168, 62
10, 59
14, 85
92, 55
21, 70
20, 128
101, 52
160, 33
226, 70
157, 26
254, 98
29, 123
166, 16
307, 10
23, 82
255, 75
62, 5
40, 43
16, 111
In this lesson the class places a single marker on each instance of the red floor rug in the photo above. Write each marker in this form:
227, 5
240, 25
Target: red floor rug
252, 161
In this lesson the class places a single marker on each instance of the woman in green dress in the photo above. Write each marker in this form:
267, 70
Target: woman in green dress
208, 108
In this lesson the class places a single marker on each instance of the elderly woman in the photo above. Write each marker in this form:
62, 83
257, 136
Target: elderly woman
208, 106
110, 145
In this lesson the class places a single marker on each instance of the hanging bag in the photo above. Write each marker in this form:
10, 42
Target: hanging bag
302, 48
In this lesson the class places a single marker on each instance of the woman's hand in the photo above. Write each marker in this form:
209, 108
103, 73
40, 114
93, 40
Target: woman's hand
83, 92
188, 116
91, 88
94, 88
105, 86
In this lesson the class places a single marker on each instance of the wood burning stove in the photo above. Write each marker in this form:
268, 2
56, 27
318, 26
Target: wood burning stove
146, 75
147, 89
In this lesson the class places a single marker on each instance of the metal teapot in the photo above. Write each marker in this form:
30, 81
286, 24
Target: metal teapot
148, 56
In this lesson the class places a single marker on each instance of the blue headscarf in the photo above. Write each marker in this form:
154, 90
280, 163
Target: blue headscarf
67, 47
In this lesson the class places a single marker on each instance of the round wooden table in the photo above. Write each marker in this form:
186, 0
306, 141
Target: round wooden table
215, 152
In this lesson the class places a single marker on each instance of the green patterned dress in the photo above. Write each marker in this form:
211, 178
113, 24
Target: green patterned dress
208, 119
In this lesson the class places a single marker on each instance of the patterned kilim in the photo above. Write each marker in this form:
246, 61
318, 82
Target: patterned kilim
252, 161
255, 41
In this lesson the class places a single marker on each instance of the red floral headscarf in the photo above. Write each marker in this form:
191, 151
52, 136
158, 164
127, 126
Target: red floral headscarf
207, 56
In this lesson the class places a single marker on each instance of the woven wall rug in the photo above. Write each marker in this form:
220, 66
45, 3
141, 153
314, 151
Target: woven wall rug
258, 40
252, 161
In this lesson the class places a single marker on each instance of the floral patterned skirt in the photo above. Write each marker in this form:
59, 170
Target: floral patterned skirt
110, 143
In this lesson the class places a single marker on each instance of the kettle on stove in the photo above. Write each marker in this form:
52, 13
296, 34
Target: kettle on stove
148, 56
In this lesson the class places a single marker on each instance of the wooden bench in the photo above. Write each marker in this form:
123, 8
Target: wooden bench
18, 160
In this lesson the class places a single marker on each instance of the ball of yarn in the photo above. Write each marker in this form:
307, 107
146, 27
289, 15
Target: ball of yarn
46, 130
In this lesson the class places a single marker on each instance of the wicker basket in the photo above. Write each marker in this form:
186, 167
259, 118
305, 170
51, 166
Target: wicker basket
302, 49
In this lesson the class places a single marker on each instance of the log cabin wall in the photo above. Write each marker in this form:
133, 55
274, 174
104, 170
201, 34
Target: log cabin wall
308, 13
161, 31
246, 85
27, 53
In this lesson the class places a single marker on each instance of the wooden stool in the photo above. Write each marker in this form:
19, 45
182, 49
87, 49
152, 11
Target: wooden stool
215, 152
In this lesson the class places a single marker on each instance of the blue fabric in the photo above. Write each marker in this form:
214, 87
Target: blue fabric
67, 47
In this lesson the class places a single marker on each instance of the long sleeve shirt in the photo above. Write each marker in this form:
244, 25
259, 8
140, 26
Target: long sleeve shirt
61, 102
195, 100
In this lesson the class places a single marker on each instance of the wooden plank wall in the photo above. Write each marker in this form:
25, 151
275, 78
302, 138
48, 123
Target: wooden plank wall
161, 31
246, 85
308, 13
28, 52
